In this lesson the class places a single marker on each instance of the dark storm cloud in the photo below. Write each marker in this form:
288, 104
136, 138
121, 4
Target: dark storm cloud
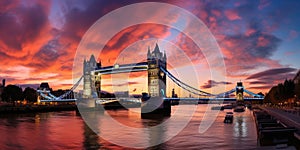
46, 55
21, 24
272, 72
261, 87
258, 82
212, 83
257, 45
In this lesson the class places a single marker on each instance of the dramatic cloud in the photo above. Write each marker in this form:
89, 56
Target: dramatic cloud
266, 79
266, 87
272, 72
212, 83
38, 39
257, 82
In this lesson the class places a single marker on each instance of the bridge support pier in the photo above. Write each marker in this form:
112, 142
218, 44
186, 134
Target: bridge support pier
86, 103
156, 107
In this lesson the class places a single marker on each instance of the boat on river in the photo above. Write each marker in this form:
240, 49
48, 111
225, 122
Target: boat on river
229, 117
239, 109
217, 108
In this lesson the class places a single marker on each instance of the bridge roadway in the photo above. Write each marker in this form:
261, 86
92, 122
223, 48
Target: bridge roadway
138, 100
214, 99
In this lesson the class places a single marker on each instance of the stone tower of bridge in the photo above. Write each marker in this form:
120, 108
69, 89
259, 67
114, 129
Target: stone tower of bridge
156, 78
239, 92
91, 82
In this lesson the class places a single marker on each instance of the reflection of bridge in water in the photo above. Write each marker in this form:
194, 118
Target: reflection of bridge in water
157, 73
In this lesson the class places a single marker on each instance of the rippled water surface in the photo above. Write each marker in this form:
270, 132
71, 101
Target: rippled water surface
67, 130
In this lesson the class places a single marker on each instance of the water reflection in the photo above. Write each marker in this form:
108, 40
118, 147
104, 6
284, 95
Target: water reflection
240, 126
90, 138
156, 132
67, 130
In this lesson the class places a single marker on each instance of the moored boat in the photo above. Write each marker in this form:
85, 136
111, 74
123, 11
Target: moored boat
239, 109
228, 118
217, 108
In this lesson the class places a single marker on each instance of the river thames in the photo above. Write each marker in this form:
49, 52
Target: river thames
67, 130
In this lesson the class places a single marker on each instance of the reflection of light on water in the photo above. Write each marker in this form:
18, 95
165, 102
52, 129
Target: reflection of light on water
240, 126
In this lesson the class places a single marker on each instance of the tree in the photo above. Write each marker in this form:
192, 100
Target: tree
289, 89
267, 98
12, 93
297, 89
30, 94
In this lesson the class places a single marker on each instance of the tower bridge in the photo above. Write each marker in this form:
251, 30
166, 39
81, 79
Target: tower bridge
156, 66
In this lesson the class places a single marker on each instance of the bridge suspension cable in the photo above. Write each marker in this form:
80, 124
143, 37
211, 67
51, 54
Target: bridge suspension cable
253, 94
71, 90
51, 96
192, 89
226, 93
45, 96
184, 85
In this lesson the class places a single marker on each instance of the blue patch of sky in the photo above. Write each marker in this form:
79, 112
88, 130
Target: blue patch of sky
181, 23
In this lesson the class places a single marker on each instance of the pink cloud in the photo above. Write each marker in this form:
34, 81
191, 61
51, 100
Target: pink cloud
250, 32
232, 15
261, 41
263, 4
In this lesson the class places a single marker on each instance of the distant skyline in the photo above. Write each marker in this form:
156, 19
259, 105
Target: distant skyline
259, 40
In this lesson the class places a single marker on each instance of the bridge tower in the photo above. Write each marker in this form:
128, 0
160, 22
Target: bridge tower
156, 78
239, 92
156, 106
91, 82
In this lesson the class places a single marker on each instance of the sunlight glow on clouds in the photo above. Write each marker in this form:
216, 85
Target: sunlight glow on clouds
39, 39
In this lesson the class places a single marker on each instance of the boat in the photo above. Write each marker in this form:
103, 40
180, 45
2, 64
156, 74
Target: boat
227, 106
239, 109
249, 106
217, 108
228, 118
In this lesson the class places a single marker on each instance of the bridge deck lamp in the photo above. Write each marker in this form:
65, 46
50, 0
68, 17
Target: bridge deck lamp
162, 74
116, 66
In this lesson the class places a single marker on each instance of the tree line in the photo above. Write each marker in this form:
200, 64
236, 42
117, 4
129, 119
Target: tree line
13, 93
283, 92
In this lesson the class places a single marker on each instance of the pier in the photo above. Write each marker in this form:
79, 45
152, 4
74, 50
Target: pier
289, 119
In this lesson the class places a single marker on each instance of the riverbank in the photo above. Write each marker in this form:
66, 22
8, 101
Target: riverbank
277, 126
37, 108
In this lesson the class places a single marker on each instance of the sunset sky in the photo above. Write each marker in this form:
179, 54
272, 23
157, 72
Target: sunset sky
259, 40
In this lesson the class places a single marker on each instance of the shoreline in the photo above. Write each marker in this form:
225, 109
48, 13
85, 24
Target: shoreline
36, 108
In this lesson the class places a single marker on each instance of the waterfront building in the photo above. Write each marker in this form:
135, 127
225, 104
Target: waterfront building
44, 86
